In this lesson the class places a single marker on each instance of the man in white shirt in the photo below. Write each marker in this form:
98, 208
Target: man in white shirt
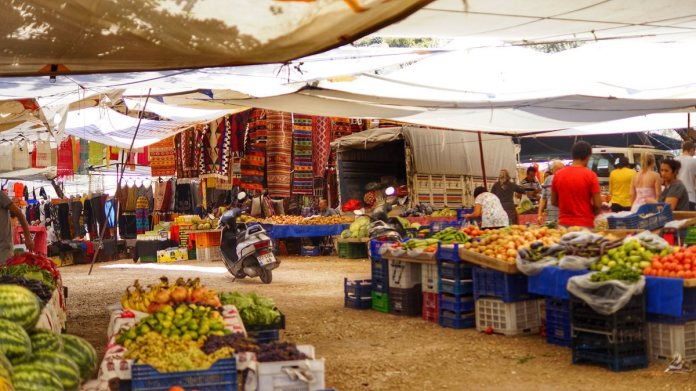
687, 173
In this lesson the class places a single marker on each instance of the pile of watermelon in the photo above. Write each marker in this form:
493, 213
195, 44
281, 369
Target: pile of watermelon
37, 359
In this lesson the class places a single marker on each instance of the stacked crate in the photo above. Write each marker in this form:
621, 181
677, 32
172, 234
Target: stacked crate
430, 292
357, 294
617, 341
380, 278
455, 299
503, 303
558, 321
405, 293
671, 335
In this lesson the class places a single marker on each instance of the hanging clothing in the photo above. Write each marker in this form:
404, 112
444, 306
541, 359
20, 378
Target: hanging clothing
65, 158
141, 215
279, 158
183, 198
110, 212
127, 226
160, 188
42, 153
6, 152
21, 158
168, 196
76, 215
132, 198
196, 195
64, 221
18, 188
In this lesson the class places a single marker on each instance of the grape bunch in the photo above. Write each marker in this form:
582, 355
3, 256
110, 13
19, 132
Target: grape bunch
236, 341
168, 354
279, 351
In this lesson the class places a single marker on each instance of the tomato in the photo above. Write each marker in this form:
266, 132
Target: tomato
673, 274
656, 264
679, 257
680, 274
647, 271
688, 274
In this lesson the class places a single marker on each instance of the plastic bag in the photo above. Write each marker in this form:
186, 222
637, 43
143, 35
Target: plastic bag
574, 262
533, 268
604, 297
530, 261
649, 240
525, 204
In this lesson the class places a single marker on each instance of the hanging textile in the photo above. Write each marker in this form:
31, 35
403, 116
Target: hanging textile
42, 150
340, 127
6, 157
65, 158
254, 161
141, 215
76, 154
238, 127
82, 168
96, 153
20, 155
163, 158
144, 157
279, 159
302, 178
189, 152
215, 149
321, 144
112, 153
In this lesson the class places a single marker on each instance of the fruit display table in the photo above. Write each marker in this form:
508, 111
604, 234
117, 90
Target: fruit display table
146, 250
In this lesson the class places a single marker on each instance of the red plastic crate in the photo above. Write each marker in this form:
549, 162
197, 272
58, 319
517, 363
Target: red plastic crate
430, 307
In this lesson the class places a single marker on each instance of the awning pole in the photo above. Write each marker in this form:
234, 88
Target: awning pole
124, 158
483, 164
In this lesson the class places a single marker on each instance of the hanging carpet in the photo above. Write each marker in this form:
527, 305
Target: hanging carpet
279, 159
163, 157
303, 178
321, 144
215, 149
253, 163
189, 152
65, 158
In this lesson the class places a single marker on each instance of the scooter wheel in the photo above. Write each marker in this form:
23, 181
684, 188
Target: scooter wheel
266, 275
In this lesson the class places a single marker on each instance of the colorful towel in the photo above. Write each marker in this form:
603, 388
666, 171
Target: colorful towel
302, 178
163, 157
96, 154
215, 149
279, 160
321, 144
253, 163
65, 158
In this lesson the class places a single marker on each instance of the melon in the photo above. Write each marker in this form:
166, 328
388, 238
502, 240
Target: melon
19, 305
6, 384
14, 341
45, 340
5, 367
30, 377
80, 351
68, 372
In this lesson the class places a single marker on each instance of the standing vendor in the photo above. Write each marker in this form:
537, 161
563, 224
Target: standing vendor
531, 185
9, 209
324, 209
504, 189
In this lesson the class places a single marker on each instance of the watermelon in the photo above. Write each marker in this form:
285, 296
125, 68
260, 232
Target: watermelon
5, 367
80, 351
14, 341
19, 305
68, 372
30, 377
45, 340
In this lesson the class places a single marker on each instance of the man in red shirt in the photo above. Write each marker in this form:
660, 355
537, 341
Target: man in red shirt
575, 190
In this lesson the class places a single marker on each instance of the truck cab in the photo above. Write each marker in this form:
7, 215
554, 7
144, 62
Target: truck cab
603, 159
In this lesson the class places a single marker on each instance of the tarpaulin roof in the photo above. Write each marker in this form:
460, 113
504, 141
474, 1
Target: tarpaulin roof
48, 36
437, 151
550, 20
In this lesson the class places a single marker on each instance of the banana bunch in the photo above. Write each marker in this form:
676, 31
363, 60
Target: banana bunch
418, 243
156, 296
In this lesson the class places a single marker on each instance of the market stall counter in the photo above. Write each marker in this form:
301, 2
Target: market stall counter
146, 250
277, 231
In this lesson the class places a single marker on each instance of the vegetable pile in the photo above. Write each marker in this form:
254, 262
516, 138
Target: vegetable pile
450, 235
254, 310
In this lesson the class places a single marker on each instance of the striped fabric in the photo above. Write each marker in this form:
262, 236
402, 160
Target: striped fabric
279, 159
303, 177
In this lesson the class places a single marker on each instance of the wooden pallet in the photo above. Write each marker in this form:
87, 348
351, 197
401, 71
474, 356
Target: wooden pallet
487, 262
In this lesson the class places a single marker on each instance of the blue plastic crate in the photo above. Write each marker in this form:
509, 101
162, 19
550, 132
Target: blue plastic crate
310, 251
463, 211
558, 322
630, 317
374, 249
454, 270
357, 288
660, 214
507, 287
456, 303
456, 320
222, 376
380, 275
626, 355
456, 287
358, 303
687, 311
448, 253
264, 336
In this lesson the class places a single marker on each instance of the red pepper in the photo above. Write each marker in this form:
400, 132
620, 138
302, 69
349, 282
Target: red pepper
127, 314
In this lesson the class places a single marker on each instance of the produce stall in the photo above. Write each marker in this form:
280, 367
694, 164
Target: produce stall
285, 226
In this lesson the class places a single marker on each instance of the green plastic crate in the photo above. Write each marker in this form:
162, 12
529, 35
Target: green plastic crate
352, 250
148, 259
192, 254
380, 302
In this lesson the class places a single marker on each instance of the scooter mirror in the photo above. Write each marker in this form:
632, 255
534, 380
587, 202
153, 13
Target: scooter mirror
390, 191
241, 196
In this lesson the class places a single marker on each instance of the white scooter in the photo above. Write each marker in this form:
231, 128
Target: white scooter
246, 249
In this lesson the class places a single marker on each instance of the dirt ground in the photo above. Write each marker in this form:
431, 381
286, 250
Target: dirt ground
368, 350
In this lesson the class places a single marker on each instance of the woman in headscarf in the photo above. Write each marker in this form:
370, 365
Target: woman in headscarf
505, 189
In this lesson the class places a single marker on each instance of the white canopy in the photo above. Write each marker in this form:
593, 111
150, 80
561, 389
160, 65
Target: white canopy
87, 36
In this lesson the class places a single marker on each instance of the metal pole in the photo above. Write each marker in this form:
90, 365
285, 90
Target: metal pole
483, 163
119, 174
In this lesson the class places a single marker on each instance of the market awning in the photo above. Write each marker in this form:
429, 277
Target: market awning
42, 37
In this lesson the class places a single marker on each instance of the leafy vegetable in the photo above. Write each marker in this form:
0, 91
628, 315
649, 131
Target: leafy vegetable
30, 272
254, 310
618, 272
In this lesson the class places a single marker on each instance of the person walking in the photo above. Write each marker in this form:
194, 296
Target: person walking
674, 193
575, 190
647, 184
487, 206
620, 183
551, 215
505, 189
8, 209
531, 185
687, 173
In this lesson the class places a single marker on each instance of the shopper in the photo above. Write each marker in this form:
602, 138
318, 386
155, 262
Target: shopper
620, 183
551, 215
531, 185
505, 189
324, 209
7, 210
687, 173
575, 190
487, 206
647, 184
674, 193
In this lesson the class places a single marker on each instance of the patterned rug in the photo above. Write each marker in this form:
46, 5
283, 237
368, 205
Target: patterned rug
189, 152
321, 144
163, 157
279, 158
253, 165
238, 128
215, 149
303, 178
